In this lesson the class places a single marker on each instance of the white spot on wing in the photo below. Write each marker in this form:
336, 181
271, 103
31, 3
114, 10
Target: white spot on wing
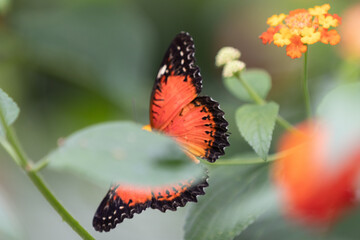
161, 71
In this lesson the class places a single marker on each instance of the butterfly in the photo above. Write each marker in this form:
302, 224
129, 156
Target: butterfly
195, 122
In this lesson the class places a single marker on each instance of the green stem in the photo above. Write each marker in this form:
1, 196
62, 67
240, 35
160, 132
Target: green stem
247, 161
251, 91
260, 101
50, 197
254, 160
40, 165
305, 86
285, 124
15, 151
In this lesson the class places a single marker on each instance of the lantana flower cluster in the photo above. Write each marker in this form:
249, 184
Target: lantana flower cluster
302, 27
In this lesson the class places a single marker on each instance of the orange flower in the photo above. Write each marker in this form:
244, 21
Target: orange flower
331, 36
337, 17
314, 191
308, 24
268, 36
296, 47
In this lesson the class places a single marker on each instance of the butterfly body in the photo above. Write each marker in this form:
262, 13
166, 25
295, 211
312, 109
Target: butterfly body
195, 122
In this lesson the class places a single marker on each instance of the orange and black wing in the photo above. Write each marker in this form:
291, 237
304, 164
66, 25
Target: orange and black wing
178, 82
123, 201
201, 129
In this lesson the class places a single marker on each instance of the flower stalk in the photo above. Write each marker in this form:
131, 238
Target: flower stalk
257, 99
305, 86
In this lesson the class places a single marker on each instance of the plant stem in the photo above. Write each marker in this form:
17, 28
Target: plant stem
285, 124
251, 91
305, 85
39, 165
15, 151
247, 161
65, 215
260, 101
254, 160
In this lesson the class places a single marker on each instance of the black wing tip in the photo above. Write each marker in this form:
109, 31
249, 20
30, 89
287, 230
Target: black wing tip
112, 210
221, 127
182, 49
184, 35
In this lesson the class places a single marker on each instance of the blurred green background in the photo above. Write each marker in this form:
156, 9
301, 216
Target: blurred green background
73, 63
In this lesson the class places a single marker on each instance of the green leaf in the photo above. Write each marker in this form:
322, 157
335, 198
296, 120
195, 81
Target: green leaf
123, 152
256, 124
9, 110
258, 79
235, 198
340, 110
9, 226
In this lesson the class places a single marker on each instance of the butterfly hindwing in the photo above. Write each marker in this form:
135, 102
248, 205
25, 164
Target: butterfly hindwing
123, 201
178, 81
200, 128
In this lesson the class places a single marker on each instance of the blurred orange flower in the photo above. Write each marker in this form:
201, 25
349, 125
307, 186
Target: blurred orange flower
307, 25
313, 189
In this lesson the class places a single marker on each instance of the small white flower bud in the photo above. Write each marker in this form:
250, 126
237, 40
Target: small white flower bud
225, 55
233, 67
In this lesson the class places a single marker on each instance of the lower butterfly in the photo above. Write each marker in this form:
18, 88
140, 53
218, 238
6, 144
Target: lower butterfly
195, 122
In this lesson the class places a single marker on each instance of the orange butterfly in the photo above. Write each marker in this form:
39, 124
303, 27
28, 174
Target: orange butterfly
195, 122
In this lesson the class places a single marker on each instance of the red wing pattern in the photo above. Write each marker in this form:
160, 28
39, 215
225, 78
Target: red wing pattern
122, 201
195, 122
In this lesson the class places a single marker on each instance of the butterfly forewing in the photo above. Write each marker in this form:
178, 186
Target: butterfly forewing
178, 82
